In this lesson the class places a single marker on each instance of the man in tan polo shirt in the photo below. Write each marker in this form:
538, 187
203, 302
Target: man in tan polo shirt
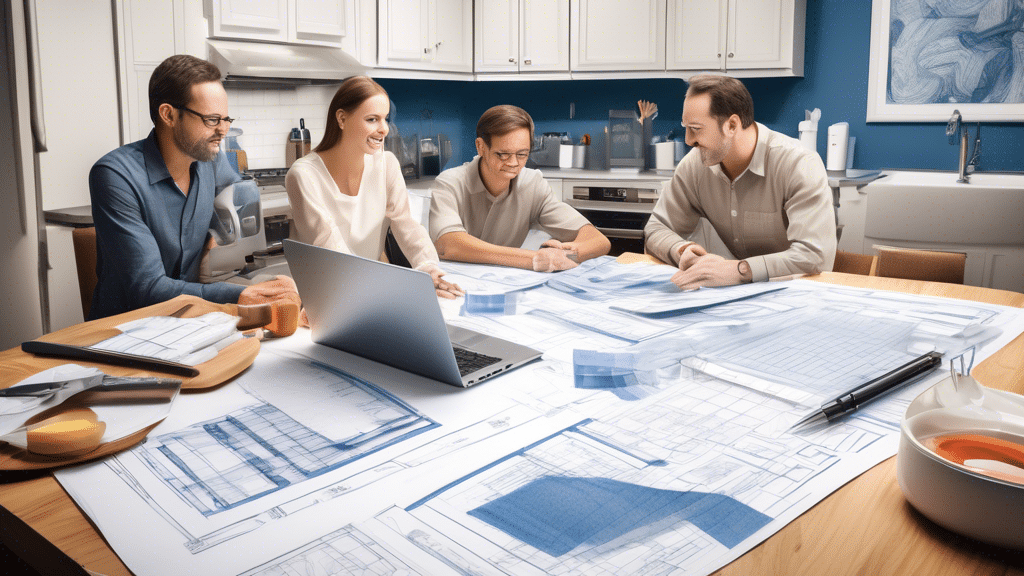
482, 211
766, 196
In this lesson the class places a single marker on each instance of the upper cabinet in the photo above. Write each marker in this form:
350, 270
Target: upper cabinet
618, 35
434, 35
515, 36
749, 37
318, 22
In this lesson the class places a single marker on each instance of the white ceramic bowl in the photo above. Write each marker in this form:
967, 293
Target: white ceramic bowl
952, 495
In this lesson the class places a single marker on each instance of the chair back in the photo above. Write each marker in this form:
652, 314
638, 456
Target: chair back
930, 265
853, 263
84, 241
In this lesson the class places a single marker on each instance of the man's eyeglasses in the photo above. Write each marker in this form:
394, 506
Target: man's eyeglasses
211, 121
522, 155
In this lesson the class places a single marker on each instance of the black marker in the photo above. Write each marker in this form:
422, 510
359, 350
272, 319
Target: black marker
854, 399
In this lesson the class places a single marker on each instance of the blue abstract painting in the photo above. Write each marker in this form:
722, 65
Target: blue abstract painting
556, 514
955, 51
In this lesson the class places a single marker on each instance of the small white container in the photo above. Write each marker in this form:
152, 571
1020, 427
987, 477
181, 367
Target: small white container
664, 155
571, 156
809, 134
838, 140
565, 152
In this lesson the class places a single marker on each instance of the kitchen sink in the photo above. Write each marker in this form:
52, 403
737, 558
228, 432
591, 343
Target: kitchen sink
932, 207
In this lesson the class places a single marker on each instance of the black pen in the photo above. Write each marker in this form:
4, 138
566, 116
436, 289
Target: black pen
854, 399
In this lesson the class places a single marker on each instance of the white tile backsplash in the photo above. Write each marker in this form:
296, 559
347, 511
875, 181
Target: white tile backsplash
267, 116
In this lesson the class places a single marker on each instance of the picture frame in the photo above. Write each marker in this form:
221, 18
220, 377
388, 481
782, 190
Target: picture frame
924, 63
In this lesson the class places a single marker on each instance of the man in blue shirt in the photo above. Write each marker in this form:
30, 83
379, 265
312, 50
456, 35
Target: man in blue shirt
152, 200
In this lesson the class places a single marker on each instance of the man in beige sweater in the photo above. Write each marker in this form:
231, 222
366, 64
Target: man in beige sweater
766, 196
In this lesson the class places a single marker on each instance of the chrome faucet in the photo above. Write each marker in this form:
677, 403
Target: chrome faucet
955, 129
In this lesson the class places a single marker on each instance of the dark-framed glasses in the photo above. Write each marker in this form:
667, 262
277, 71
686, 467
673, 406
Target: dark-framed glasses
521, 155
211, 121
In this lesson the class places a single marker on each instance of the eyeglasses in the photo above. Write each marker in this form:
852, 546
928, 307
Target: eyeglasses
522, 155
211, 121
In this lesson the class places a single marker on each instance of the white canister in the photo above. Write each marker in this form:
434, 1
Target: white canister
664, 155
809, 135
838, 137
565, 153
579, 156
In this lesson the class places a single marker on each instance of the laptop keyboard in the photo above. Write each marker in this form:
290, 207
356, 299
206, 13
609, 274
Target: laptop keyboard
470, 361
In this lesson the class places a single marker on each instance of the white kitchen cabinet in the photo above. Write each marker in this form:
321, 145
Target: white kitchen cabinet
762, 36
517, 36
318, 22
618, 35
432, 35
696, 34
149, 32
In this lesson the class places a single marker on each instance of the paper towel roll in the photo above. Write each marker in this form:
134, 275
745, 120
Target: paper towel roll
665, 155
838, 137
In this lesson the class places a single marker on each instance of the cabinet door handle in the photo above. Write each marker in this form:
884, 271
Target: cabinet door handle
730, 54
527, 62
438, 45
426, 50
512, 60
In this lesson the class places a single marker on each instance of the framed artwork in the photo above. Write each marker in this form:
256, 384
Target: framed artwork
930, 57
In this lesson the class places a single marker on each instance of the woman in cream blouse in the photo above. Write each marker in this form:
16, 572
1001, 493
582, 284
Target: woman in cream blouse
347, 192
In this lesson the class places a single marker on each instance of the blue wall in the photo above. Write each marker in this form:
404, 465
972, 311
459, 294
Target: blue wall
835, 79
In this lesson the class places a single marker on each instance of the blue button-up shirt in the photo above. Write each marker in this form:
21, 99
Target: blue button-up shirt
150, 236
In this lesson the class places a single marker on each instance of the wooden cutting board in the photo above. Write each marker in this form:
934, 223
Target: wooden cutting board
16, 365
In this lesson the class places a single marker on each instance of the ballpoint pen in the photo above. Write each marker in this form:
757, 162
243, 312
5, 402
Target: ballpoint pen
854, 399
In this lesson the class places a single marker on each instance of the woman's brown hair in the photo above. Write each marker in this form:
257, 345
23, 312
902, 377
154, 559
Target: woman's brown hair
350, 95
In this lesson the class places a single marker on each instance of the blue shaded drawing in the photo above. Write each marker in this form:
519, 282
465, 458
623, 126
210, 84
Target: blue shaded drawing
955, 52
225, 462
489, 304
555, 514
615, 372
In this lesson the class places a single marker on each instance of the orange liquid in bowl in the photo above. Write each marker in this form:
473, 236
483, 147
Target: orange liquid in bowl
987, 455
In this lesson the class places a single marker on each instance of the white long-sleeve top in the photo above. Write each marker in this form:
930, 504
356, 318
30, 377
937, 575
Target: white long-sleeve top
356, 224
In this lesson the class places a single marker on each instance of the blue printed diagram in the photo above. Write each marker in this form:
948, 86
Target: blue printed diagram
673, 484
222, 463
556, 514
527, 513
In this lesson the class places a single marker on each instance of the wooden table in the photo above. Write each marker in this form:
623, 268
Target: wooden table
866, 527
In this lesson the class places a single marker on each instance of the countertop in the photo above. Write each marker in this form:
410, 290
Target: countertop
81, 216
76, 217
843, 178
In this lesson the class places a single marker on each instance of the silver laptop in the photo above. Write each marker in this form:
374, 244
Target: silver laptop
391, 315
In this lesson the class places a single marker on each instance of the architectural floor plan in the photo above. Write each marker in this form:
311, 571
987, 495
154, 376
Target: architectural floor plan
633, 446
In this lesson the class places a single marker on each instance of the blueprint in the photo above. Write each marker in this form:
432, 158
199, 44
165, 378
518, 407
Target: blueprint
634, 445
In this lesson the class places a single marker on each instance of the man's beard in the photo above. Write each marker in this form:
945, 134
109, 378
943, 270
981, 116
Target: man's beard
198, 149
710, 157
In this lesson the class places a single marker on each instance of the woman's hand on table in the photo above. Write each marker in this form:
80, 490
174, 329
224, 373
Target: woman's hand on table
444, 288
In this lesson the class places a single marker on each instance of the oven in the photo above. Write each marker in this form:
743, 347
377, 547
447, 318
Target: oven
618, 208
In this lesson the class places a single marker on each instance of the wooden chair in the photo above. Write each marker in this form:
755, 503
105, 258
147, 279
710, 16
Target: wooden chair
853, 263
84, 241
914, 264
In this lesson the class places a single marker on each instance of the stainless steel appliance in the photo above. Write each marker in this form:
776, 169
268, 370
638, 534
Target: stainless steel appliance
546, 148
618, 208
